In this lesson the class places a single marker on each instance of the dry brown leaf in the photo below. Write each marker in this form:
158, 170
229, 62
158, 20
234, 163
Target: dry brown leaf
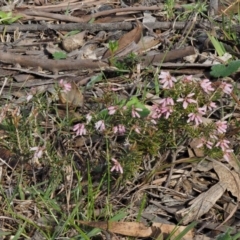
229, 207
126, 39
132, 229
147, 43
167, 229
73, 98
74, 42
202, 204
194, 151
135, 229
233, 162
204, 166
230, 178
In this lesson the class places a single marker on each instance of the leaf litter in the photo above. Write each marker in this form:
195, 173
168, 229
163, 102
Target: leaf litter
168, 190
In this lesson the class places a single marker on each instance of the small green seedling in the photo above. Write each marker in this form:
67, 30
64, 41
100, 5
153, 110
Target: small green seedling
59, 55
8, 18
113, 47
217, 45
227, 236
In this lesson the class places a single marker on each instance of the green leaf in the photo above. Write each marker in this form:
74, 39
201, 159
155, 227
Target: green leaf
225, 236
217, 45
113, 46
59, 55
7, 18
221, 70
185, 231
93, 80
236, 237
137, 104
72, 33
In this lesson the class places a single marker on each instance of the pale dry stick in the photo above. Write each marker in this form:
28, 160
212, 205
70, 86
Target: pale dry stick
52, 16
189, 27
119, 10
67, 5
4, 162
174, 158
87, 17
38, 73
4, 83
68, 190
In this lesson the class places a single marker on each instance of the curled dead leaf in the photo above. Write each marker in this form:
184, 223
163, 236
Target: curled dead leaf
229, 177
73, 42
73, 98
136, 229
127, 39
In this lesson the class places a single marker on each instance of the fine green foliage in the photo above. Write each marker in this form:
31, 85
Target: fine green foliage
221, 70
8, 18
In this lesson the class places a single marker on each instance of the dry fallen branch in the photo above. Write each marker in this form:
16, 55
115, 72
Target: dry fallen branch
31, 12
66, 65
52, 65
93, 27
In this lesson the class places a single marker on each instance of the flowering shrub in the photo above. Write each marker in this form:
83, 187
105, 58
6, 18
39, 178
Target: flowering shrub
163, 121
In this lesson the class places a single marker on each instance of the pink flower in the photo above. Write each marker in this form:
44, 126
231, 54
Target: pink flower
206, 85
221, 126
166, 102
195, 117
112, 109
38, 151
65, 85
100, 126
153, 121
165, 108
119, 129
226, 87
213, 136
205, 142
227, 155
117, 166
202, 110
29, 97
155, 111
79, 129
211, 106
89, 118
187, 100
167, 80
187, 79
223, 144
135, 113
137, 129
166, 111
